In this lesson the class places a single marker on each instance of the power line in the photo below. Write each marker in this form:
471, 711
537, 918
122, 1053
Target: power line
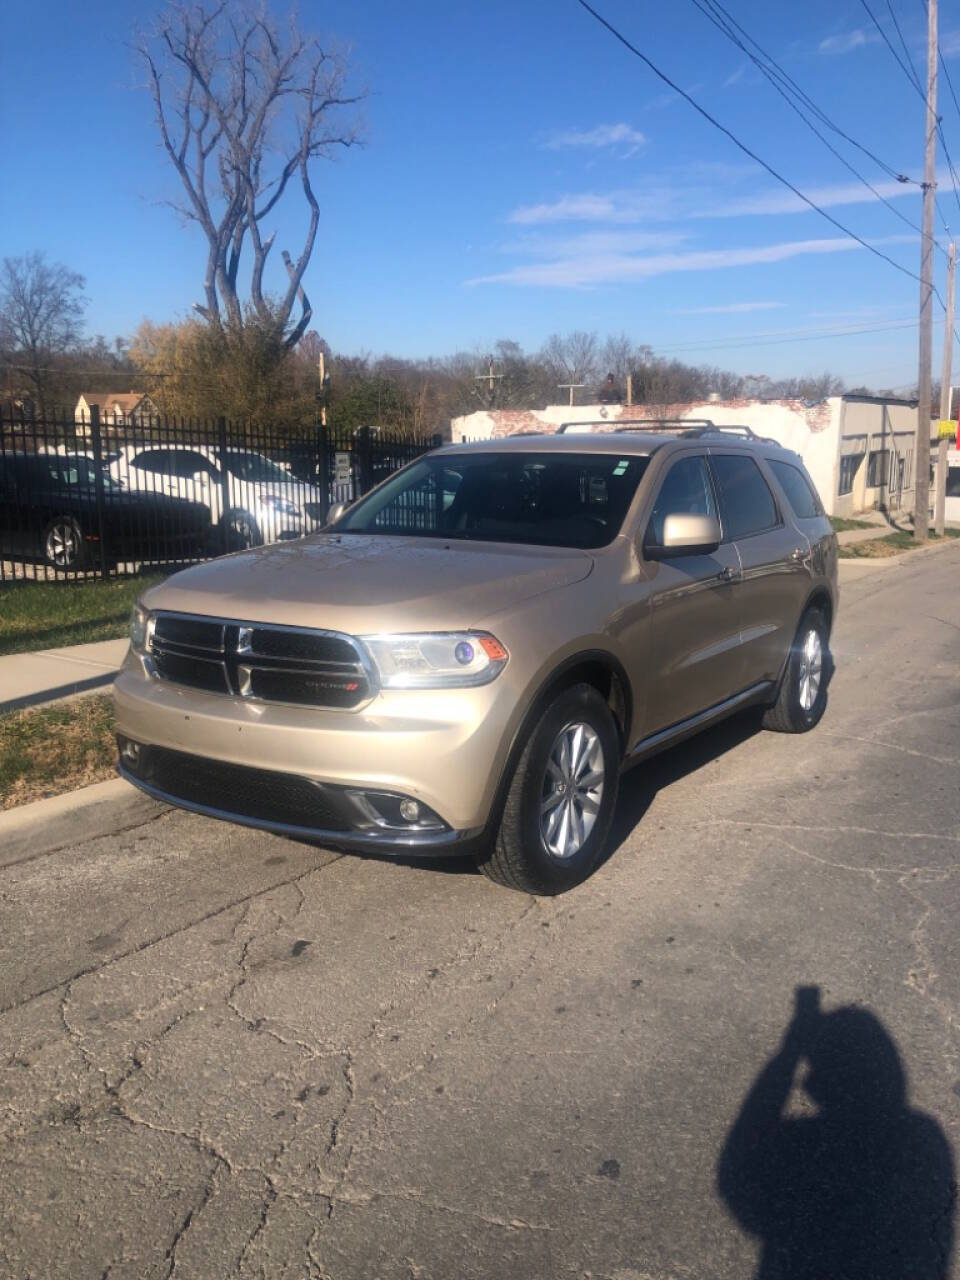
763, 340
906, 50
727, 23
705, 7
742, 146
911, 75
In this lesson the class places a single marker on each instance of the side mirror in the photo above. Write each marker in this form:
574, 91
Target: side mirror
687, 535
335, 512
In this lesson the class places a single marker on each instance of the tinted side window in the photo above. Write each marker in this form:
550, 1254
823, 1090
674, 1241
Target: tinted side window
188, 465
748, 504
798, 489
158, 461
953, 482
686, 490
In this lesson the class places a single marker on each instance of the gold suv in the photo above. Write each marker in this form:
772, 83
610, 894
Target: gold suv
468, 658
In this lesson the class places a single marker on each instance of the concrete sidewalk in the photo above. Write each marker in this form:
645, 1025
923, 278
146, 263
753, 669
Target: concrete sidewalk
30, 678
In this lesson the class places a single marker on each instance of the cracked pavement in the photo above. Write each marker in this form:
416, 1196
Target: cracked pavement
228, 1054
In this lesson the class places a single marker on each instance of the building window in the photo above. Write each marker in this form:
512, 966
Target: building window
850, 464
953, 482
878, 468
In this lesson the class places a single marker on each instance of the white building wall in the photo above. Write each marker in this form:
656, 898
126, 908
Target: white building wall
813, 431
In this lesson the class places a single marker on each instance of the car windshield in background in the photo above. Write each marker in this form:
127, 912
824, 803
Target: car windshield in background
548, 499
255, 468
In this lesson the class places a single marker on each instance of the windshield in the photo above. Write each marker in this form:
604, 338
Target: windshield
255, 467
554, 500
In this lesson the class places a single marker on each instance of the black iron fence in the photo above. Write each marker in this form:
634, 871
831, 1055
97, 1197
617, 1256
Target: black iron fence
117, 497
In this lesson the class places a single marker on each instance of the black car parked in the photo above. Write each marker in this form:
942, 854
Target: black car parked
49, 508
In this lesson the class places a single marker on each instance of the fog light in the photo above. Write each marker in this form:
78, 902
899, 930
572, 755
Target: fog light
409, 810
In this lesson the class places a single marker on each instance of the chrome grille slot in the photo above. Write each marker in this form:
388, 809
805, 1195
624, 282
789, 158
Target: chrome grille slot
291, 665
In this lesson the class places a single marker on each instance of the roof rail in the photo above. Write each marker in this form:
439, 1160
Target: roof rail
634, 424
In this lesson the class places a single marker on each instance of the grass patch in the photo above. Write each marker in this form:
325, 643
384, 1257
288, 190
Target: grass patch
841, 524
45, 751
47, 615
892, 545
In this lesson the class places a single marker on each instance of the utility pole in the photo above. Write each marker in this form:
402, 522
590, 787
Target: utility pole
489, 378
921, 486
571, 387
940, 502
322, 370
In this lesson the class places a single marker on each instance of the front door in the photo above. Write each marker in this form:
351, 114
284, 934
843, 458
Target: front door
693, 638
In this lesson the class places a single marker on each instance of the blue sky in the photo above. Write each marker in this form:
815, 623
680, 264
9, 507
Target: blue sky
521, 174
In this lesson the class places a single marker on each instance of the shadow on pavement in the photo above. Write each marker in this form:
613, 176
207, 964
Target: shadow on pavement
850, 1183
639, 785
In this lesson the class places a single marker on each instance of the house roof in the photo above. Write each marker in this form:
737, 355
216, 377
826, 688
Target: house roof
125, 401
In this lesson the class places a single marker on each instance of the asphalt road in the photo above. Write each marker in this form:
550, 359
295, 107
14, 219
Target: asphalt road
224, 1053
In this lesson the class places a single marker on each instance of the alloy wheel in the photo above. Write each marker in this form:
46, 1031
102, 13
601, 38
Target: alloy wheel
63, 547
811, 669
572, 790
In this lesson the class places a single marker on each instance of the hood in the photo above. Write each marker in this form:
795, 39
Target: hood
361, 583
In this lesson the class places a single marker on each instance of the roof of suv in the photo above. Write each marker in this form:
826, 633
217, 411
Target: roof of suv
627, 441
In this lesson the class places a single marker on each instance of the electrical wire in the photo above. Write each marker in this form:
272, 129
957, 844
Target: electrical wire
912, 79
785, 336
705, 7
742, 146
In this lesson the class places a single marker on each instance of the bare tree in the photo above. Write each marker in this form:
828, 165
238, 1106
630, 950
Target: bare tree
244, 109
571, 357
41, 315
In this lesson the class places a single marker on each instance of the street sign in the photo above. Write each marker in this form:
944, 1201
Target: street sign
342, 468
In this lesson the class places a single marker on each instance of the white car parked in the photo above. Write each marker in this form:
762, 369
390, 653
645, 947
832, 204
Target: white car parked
253, 499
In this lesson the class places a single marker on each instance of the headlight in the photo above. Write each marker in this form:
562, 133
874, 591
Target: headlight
282, 506
436, 660
139, 622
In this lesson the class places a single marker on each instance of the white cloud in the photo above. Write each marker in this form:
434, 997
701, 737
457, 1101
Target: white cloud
783, 201
848, 41
583, 272
535, 245
660, 202
950, 44
597, 138
736, 76
730, 309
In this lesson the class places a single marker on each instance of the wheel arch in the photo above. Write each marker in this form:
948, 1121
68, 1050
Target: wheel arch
596, 667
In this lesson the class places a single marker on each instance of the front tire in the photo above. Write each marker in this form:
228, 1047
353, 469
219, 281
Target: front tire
243, 532
560, 804
802, 696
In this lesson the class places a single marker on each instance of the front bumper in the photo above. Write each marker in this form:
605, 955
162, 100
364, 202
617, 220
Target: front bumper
441, 748
419, 843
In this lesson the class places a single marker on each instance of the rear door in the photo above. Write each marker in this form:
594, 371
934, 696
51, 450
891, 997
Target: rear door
693, 642
774, 559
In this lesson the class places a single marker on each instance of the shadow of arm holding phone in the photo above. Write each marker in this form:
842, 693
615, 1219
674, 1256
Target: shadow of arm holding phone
862, 1187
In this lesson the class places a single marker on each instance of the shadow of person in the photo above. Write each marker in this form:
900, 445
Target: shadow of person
860, 1187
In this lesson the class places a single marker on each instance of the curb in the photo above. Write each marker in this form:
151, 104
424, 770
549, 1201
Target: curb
26, 815
60, 691
889, 562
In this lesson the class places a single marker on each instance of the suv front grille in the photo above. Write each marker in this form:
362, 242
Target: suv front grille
252, 660
261, 794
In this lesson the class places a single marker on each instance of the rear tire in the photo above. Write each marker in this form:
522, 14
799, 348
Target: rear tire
63, 546
558, 810
802, 696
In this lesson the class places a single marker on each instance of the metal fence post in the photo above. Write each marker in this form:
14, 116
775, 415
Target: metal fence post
96, 443
224, 480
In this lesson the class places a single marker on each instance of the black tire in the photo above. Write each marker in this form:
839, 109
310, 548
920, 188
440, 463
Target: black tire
519, 857
63, 546
243, 531
789, 714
